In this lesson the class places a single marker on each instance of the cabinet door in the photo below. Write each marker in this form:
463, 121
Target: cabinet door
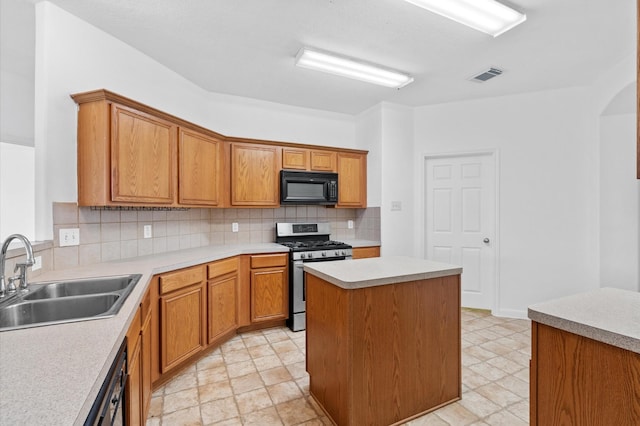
146, 349
182, 325
200, 169
254, 175
269, 290
323, 161
134, 413
222, 307
143, 157
352, 180
295, 158
365, 252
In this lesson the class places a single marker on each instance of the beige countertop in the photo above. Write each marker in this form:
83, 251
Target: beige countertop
51, 375
363, 243
375, 271
606, 315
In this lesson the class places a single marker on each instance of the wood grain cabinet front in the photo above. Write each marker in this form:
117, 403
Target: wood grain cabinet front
352, 180
143, 157
182, 316
254, 175
269, 288
365, 252
201, 172
308, 159
139, 350
580, 381
222, 298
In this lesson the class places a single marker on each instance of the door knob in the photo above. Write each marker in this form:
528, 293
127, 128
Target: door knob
486, 241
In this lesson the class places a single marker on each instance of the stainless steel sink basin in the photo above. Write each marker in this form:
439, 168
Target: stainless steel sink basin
79, 287
66, 301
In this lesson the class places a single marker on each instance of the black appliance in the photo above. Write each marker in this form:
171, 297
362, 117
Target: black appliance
298, 187
307, 242
109, 407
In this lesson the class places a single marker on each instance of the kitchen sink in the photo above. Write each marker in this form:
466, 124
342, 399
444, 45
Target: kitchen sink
79, 287
66, 301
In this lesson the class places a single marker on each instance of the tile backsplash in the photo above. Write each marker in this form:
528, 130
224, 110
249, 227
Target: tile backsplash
118, 234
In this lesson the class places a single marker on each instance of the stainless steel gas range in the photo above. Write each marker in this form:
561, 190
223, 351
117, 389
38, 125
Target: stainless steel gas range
307, 242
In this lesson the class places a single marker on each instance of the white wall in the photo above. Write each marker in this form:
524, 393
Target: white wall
619, 199
547, 147
73, 56
17, 197
397, 229
369, 137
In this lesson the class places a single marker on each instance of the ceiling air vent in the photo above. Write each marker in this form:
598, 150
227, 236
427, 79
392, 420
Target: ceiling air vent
486, 75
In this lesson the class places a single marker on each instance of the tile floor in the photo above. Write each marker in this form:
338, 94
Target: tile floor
259, 378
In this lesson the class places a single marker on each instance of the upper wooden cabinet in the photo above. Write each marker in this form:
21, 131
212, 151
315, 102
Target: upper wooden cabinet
308, 159
143, 152
254, 175
201, 171
352, 180
130, 154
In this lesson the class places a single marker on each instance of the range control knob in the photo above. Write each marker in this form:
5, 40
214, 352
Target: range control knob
337, 253
324, 254
310, 255
344, 253
303, 255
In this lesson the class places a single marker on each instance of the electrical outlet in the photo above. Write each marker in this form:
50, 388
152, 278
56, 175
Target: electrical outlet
234, 227
350, 224
69, 237
38, 263
396, 206
148, 233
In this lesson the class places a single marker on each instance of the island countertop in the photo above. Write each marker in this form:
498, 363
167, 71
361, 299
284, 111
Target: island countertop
607, 315
376, 271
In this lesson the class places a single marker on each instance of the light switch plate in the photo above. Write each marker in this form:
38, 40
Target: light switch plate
148, 231
234, 227
396, 206
38, 263
350, 224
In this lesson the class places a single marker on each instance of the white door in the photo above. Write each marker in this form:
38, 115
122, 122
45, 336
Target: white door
460, 221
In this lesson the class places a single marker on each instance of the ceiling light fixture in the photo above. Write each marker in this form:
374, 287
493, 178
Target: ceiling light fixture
487, 16
352, 68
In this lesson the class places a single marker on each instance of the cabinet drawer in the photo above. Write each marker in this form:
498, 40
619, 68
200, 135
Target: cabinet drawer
180, 279
268, 260
222, 267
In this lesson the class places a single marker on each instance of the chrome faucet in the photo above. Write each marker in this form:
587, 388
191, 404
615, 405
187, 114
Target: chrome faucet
9, 286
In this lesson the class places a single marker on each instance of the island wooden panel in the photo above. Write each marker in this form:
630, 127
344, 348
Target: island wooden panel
385, 354
579, 381
365, 252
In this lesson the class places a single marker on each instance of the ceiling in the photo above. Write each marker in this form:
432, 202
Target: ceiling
247, 47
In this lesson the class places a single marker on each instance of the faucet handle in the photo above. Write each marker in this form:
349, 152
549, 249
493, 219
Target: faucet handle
22, 276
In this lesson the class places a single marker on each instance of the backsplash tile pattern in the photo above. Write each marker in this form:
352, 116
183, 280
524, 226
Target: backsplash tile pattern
111, 234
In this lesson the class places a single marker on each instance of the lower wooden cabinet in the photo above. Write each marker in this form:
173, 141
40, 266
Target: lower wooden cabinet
269, 288
222, 298
364, 252
579, 381
202, 306
182, 316
139, 350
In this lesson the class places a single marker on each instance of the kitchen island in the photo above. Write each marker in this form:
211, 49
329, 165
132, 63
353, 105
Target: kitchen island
383, 338
585, 359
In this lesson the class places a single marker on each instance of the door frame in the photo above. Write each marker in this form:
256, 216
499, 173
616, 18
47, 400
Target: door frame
495, 154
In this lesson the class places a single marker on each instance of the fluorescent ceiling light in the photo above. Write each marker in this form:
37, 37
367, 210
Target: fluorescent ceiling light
352, 68
487, 16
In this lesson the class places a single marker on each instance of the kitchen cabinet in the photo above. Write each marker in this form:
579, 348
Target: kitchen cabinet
143, 152
201, 172
352, 180
308, 159
183, 307
139, 350
269, 288
580, 381
364, 252
222, 298
254, 175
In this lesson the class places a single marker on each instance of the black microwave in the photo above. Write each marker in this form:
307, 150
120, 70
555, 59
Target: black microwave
298, 187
